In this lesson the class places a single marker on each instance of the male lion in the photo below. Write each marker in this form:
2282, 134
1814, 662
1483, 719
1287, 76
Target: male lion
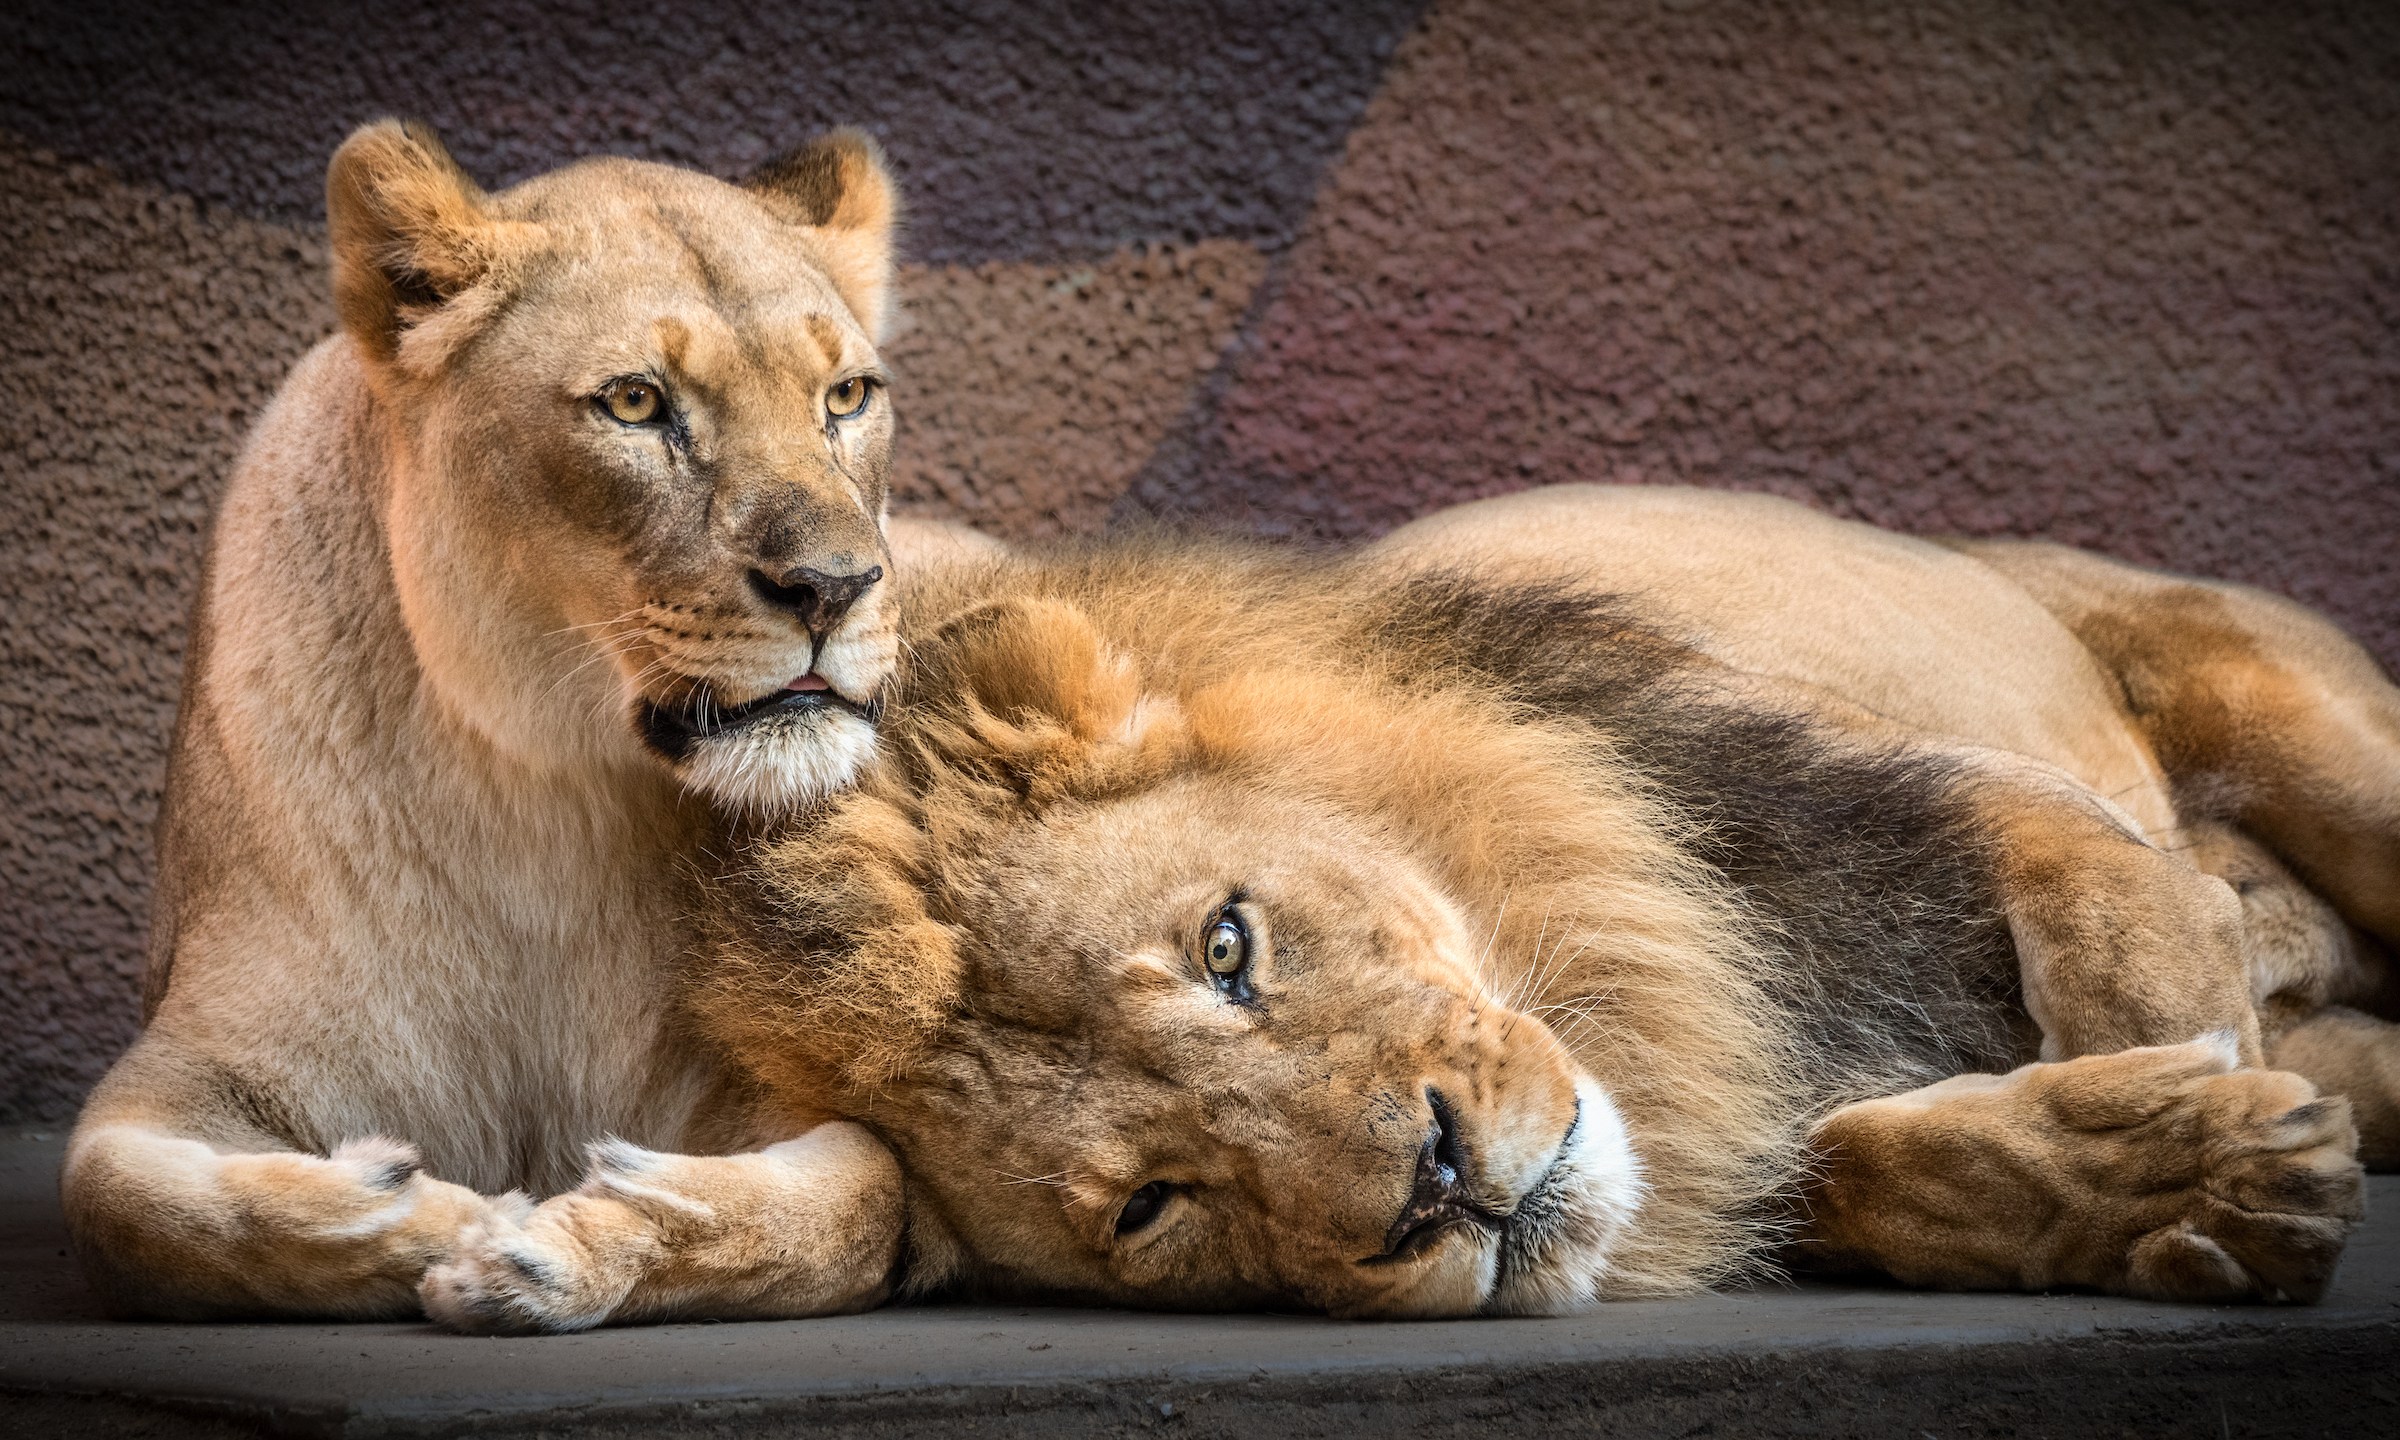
1592, 893
575, 527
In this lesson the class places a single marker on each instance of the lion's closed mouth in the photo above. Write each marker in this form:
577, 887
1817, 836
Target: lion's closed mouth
1529, 1223
673, 730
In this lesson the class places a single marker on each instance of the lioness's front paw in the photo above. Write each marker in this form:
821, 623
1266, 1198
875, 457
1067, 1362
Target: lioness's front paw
2231, 1184
807, 1227
572, 1263
174, 1228
532, 1276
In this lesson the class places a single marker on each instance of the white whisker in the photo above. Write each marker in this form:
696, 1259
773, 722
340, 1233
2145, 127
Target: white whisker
1483, 958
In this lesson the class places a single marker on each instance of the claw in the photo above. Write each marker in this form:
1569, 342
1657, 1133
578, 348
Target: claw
380, 1163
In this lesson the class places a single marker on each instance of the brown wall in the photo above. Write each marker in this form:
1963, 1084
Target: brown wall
2125, 275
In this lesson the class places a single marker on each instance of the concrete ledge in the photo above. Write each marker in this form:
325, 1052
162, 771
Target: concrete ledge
1816, 1360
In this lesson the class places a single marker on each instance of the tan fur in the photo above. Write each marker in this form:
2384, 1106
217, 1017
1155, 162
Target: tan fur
420, 875
2163, 1172
981, 831
1900, 627
1465, 905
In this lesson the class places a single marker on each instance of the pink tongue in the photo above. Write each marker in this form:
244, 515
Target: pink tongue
810, 681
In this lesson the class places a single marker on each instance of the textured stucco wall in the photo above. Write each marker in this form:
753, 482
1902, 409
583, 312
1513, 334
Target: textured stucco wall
2126, 275
2123, 275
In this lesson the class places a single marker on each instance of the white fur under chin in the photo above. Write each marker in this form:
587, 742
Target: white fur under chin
1598, 1188
782, 765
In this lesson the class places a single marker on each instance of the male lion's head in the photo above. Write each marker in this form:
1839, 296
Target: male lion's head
1190, 971
638, 450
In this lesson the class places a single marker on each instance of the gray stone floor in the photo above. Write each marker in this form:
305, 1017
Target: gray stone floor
1815, 1360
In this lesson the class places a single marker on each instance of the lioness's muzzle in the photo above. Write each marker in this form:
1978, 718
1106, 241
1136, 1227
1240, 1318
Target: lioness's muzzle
673, 730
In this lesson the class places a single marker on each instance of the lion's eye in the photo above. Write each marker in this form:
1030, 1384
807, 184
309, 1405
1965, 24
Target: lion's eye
1228, 947
632, 402
1143, 1206
847, 398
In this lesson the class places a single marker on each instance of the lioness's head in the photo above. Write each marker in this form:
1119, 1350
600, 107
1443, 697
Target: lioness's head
1205, 991
639, 444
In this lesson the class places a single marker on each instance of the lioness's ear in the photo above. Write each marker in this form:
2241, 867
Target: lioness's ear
839, 186
409, 230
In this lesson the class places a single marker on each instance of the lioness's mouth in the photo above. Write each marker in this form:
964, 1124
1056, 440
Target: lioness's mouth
674, 729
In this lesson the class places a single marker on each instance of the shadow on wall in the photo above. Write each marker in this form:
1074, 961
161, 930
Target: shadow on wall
2121, 275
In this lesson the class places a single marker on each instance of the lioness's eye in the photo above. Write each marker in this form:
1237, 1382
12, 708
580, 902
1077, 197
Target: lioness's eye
1142, 1207
633, 402
847, 398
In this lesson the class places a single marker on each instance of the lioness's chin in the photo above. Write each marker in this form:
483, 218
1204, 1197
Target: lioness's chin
781, 762
1554, 1254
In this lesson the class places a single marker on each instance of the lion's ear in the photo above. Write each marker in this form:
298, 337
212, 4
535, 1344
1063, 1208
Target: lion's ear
410, 232
1028, 688
1038, 662
839, 186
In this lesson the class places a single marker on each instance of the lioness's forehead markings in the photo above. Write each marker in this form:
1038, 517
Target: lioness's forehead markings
698, 345
827, 335
672, 339
681, 226
732, 303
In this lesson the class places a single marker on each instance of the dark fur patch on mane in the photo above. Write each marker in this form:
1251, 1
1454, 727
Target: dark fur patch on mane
1864, 862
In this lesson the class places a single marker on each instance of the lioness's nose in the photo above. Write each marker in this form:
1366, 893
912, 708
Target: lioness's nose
818, 599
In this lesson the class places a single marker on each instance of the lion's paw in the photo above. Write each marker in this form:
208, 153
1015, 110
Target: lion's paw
2237, 1184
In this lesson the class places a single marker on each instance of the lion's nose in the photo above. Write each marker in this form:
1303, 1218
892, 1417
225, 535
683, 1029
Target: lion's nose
818, 599
1438, 1199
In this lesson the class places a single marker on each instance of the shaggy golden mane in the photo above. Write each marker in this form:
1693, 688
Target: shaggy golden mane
1032, 685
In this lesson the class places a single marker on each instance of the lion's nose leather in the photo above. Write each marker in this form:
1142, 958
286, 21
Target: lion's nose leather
1438, 1197
817, 598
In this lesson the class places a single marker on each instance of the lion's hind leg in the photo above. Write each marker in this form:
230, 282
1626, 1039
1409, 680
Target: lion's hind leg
2165, 1172
2261, 711
2354, 1055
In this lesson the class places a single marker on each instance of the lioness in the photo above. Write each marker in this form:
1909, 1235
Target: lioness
1591, 893
574, 531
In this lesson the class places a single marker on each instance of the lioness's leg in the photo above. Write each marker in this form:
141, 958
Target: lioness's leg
184, 1205
807, 1227
2162, 1172
2260, 709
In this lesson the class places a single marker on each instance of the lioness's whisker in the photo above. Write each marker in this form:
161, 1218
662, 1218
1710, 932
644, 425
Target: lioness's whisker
641, 678
631, 615
608, 649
